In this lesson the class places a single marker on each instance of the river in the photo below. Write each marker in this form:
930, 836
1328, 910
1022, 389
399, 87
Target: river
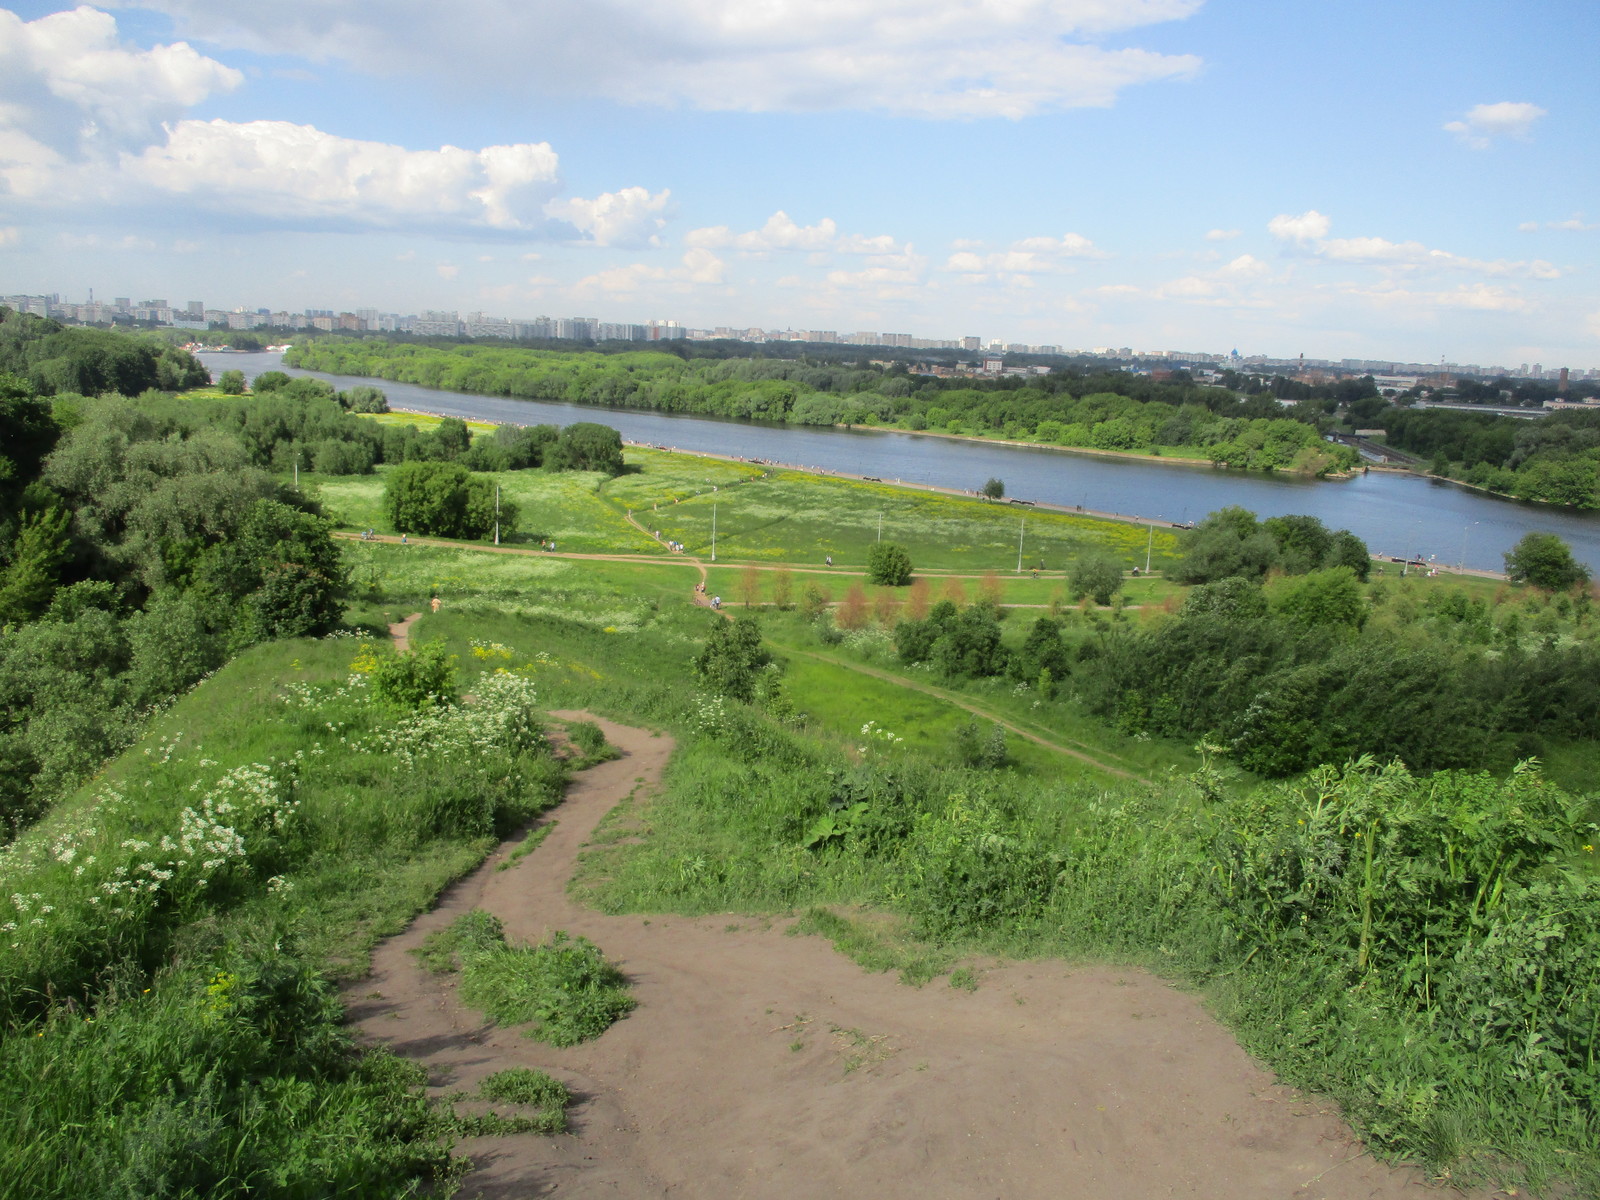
1396, 514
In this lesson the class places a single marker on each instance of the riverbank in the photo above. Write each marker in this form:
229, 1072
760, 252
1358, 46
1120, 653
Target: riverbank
811, 469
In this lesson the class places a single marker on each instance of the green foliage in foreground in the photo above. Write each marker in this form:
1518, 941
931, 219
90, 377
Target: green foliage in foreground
166, 941
1422, 949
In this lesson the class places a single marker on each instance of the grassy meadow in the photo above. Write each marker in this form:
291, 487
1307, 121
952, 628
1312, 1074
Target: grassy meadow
1421, 949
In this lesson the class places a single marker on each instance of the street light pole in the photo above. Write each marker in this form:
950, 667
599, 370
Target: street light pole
1148, 542
1022, 528
497, 514
1461, 566
713, 533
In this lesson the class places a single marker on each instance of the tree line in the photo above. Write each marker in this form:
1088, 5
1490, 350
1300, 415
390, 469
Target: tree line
1100, 410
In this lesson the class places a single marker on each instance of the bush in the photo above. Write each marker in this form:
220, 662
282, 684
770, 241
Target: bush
1097, 576
1545, 561
425, 677
888, 564
444, 499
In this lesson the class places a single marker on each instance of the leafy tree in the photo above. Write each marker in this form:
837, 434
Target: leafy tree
231, 383
888, 564
1347, 550
1042, 650
995, 489
1228, 542
284, 571
451, 439
1232, 599
1328, 598
1303, 542
271, 381
970, 645
443, 500
1545, 561
732, 657
28, 432
363, 398
586, 446
1098, 576
41, 548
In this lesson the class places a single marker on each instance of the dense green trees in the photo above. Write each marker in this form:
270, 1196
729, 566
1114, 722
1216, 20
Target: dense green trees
1297, 675
442, 499
732, 658
888, 564
54, 359
1545, 561
141, 542
586, 446
1111, 410
1554, 459
1231, 541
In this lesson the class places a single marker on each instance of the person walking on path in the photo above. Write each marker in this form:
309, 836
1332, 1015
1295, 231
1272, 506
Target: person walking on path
434, 604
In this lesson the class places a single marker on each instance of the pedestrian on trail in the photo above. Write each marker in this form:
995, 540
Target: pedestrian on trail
434, 604
828, 559
403, 539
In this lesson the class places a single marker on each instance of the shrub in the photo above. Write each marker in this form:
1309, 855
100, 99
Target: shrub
888, 564
1097, 576
426, 676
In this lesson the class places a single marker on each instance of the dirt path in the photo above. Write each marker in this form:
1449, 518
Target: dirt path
400, 633
759, 1065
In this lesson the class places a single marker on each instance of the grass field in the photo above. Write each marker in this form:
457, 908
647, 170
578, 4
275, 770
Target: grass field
793, 517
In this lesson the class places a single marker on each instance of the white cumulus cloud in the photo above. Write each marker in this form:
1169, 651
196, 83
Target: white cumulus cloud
1221, 235
926, 58
1484, 122
1023, 258
1306, 227
294, 172
781, 232
69, 85
629, 217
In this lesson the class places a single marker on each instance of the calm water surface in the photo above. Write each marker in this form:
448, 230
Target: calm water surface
1395, 514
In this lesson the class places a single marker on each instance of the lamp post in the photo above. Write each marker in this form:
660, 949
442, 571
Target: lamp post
1461, 566
497, 514
713, 533
1021, 530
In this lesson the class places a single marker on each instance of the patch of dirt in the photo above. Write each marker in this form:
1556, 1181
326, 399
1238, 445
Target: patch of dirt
400, 633
760, 1065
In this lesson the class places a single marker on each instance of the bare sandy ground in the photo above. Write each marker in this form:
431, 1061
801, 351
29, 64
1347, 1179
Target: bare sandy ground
761, 1065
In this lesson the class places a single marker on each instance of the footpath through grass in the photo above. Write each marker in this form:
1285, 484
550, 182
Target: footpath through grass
174, 932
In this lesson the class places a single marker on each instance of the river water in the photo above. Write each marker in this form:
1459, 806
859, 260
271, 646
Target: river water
1396, 514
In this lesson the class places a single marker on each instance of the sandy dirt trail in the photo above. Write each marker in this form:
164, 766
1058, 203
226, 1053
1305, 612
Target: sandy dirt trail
761, 1065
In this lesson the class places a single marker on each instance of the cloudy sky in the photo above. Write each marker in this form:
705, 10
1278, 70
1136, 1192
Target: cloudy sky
1359, 179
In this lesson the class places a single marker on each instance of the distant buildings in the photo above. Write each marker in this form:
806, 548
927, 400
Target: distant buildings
1391, 377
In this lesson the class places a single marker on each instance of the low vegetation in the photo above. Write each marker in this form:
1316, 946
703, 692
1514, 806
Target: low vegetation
1314, 793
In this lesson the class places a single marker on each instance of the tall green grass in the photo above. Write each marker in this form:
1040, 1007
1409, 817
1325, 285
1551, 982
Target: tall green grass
171, 934
1422, 949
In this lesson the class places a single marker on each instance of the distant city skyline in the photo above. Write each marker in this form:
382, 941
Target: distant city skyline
1406, 183
195, 315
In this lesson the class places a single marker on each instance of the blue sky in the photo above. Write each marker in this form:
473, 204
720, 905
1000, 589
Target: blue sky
1409, 181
